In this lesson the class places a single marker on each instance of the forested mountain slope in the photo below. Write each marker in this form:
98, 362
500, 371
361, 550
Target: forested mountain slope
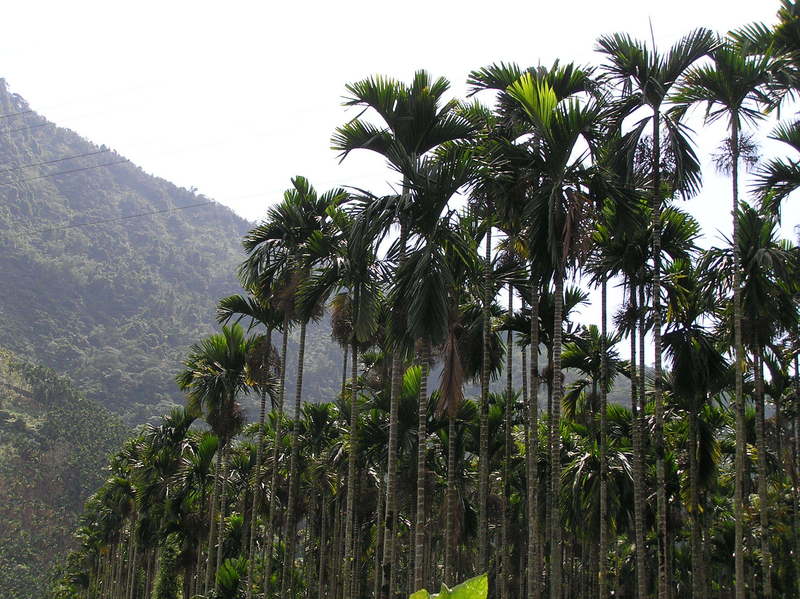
54, 444
113, 305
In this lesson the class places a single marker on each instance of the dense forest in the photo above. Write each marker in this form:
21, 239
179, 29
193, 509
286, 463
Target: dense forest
512, 204
54, 446
117, 303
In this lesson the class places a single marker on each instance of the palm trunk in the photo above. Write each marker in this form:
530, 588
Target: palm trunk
134, 559
661, 484
389, 568
344, 369
483, 458
221, 514
351, 475
763, 498
643, 425
509, 407
555, 441
294, 483
379, 530
796, 470
422, 437
273, 483
738, 498
257, 482
638, 464
698, 582
323, 552
534, 571
213, 517
602, 550
450, 533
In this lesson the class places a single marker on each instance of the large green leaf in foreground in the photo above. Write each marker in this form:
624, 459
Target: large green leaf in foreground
474, 588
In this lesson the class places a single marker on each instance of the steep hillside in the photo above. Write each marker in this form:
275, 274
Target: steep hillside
54, 444
113, 304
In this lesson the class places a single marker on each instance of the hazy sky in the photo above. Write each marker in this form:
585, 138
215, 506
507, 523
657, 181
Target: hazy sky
234, 98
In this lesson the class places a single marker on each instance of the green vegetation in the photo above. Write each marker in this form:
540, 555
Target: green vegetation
54, 445
396, 484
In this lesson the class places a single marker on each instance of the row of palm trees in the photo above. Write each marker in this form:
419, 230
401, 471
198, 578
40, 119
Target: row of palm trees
577, 171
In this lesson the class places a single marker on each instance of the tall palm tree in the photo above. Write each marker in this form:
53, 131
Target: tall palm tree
559, 207
733, 87
423, 285
415, 119
648, 76
346, 264
758, 263
283, 246
699, 370
213, 376
515, 174
263, 364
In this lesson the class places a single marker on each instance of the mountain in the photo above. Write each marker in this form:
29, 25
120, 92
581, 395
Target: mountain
93, 289
54, 445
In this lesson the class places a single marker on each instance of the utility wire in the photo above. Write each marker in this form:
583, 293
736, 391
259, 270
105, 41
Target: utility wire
74, 170
10, 114
23, 166
119, 218
47, 124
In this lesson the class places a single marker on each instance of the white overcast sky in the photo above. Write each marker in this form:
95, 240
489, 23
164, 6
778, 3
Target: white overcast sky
234, 98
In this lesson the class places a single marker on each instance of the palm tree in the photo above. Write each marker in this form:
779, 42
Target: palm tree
559, 211
699, 371
346, 265
759, 264
214, 374
282, 247
262, 365
778, 178
648, 77
415, 120
733, 87
423, 284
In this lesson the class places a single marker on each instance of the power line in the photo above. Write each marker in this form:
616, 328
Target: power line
120, 218
74, 170
23, 166
10, 114
28, 127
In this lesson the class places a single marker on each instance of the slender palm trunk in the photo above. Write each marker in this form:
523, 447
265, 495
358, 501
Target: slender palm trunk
603, 548
642, 426
323, 544
763, 498
507, 566
483, 457
379, 530
698, 582
212, 533
738, 496
276, 448
134, 562
555, 441
450, 533
351, 475
422, 447
532, 463
344, 369
257, 479
796, 470
294, 483
389, 566
638, 470
661, 484
222, 497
